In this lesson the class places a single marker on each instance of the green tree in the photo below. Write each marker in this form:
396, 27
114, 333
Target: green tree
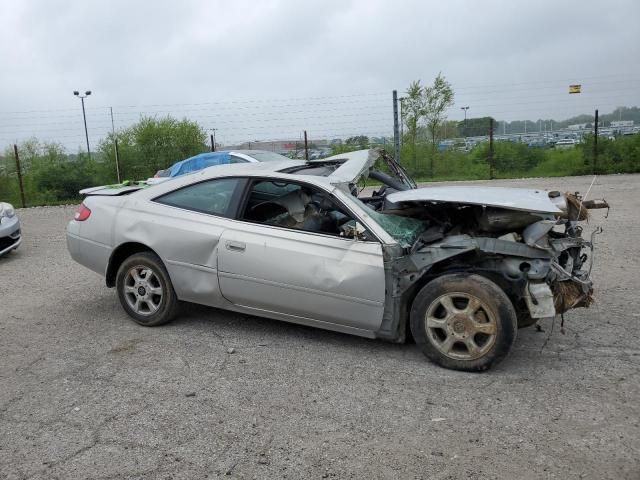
437, 98
360, 141
153, 144
476, 127
425, 107
412, 107
49, 174
509, 158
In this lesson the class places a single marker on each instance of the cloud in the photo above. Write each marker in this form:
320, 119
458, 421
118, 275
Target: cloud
507, 59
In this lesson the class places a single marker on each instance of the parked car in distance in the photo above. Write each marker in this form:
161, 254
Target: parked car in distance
460, 267
209, 159
566, 143
10, 233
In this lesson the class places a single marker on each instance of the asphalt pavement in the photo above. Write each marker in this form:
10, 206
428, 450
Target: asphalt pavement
87, 393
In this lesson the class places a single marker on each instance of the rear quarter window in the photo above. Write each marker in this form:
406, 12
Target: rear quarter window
212, 197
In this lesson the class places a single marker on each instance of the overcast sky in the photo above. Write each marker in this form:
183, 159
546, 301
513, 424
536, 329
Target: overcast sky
267, 69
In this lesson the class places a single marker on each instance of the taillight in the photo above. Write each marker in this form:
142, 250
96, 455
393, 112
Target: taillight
82, 214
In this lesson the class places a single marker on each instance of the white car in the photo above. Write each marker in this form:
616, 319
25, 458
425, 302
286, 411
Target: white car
10, 233
566, 143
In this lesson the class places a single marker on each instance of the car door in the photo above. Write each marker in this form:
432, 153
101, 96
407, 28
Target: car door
302, 274
184, 227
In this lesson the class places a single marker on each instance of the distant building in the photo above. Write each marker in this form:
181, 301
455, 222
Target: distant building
578, 126
622, 123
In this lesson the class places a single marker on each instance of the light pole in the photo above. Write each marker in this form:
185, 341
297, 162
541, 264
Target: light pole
465, 118
84, 116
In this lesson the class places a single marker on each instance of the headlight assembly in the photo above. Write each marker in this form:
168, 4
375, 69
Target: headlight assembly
6, 210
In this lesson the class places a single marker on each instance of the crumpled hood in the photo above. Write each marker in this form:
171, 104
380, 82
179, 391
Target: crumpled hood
524, 199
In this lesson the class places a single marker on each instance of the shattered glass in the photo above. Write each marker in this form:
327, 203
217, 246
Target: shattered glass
405, 230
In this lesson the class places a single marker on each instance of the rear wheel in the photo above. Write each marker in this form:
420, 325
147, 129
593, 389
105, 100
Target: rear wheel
464, 322
145, 290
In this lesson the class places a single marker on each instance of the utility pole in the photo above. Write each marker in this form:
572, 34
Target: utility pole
115, 145
396, 134
19, 172
84, 116
490, 148
306, 147
595, 145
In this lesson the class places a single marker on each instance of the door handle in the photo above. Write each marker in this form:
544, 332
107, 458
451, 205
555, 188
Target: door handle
235, 246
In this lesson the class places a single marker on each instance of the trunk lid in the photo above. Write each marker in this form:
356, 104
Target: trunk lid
124, 188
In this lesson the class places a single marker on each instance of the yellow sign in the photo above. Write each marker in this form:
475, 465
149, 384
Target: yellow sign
574, 88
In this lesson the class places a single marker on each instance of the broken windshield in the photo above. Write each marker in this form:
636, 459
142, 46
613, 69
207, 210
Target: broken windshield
405, 230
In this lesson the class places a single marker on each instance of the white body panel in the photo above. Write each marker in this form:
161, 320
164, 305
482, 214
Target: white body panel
529, 200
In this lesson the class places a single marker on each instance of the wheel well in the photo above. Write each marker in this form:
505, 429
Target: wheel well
119, 255
455, 265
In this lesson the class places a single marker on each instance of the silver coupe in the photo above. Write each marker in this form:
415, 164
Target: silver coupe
458, 269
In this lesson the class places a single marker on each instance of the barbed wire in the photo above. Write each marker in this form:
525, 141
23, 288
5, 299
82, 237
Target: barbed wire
367, 113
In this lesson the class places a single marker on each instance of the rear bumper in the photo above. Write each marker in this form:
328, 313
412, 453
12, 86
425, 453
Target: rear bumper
93, 255
10, 234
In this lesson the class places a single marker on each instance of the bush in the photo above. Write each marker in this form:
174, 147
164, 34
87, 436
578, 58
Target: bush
558, 163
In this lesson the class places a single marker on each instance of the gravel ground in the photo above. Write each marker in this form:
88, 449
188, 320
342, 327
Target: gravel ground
87, 393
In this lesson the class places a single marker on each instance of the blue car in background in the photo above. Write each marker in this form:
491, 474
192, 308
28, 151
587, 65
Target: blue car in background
190, 165
210, 159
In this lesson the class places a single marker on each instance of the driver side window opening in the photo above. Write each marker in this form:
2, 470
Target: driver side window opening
298, 207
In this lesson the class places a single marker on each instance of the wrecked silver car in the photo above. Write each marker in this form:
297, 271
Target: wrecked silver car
457, 268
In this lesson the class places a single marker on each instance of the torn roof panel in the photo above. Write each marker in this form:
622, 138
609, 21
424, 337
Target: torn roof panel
356, 165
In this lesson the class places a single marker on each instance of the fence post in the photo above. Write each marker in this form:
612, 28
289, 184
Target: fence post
396, 134
118, 171
115, 146
490, 149
306, 147
19, 172
595, 145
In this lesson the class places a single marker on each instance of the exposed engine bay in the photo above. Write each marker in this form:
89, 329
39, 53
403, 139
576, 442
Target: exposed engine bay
537, 255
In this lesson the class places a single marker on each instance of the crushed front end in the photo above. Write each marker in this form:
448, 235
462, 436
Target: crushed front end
529, 242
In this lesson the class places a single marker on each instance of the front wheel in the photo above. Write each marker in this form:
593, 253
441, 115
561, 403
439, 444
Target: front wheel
464, 322
145, 290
